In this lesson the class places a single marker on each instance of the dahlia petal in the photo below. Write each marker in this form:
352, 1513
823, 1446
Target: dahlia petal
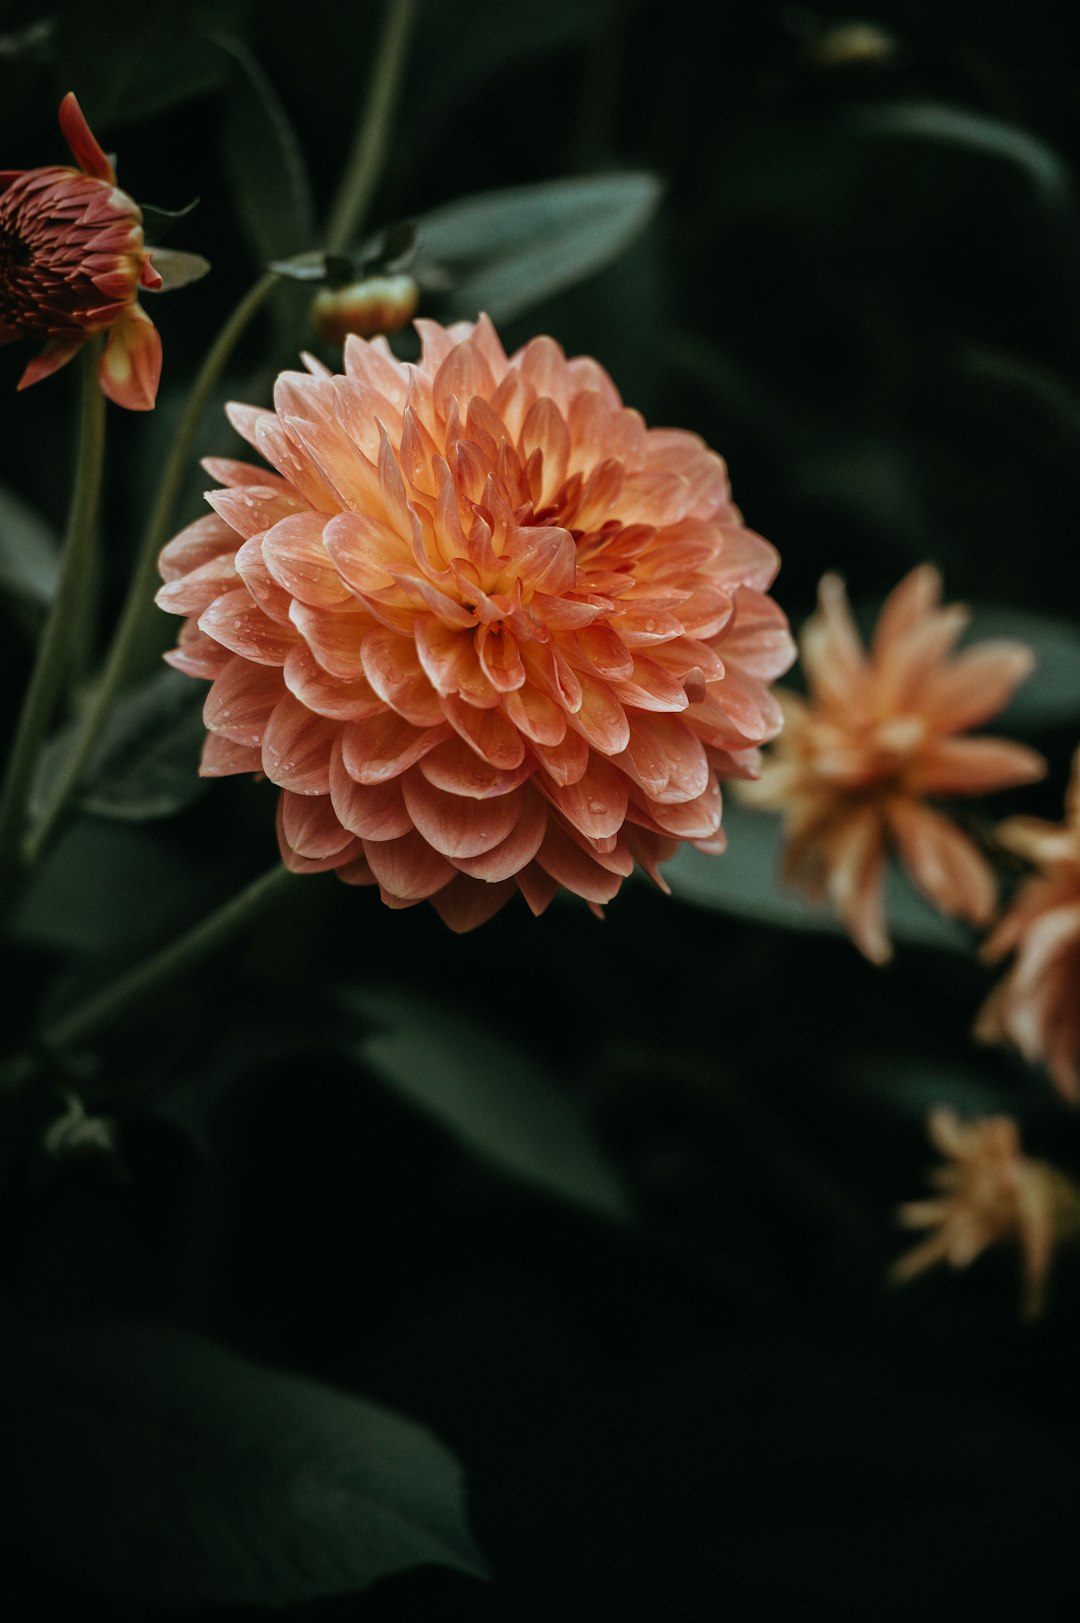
542, 363
208, 538
296, 748
458, 825
1037, 841
976, 684
334, 636
454, 766
943, 862
464, 904
282, 446
450, 661
697, 819
341, 698
366, 552
310, 827
565, 861
57, 353
297, 559
372, 361
640, 625
566, 761
703, 474
251, 509
545, 430
238, 623
227, 471
357, 871
374, 811
130, 368
596, 804
831, 652
461, 375
489, 732
538, 888
651, 688
604, 651
395, 674
907, 608
688, 771
196, 654
195, 591
245, 420
500, 660
644, 760
336, 861
381, 747
535, 715
563, 613
408, 868
241, 699
84, 148
222, 758
518, 848
758, 639
272, 599
540, 556
976, 766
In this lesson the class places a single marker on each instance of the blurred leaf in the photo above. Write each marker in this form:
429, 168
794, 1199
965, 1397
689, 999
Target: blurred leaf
505, 250
743, 881
496, 1099
105, 888
990, 137
271, 190
178, 269
154, 1464
29, 552
147, 763
130, 62
1050, 696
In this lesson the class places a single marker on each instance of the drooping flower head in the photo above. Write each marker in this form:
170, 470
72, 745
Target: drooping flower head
1036, 1007
877, 736
990, 1192
486, 630
72, 262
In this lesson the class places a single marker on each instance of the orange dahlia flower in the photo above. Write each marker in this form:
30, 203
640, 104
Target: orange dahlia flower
875, 738
71, 263
1037, 1005
487, 631
990, 1192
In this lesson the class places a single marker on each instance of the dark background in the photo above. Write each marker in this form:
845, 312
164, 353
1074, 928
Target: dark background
863, 288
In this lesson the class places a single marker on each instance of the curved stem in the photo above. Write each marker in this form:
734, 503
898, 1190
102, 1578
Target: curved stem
138, 603
54, 647
188, 950
369, 149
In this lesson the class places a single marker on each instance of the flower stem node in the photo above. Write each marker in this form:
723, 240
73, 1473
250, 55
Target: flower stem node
378, 304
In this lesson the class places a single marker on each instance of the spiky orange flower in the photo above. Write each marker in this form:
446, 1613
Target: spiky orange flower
485, 629
71, 263
1037, 1005
990, 1192
875, 738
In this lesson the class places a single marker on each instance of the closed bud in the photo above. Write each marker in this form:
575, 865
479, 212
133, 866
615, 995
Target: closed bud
378, 304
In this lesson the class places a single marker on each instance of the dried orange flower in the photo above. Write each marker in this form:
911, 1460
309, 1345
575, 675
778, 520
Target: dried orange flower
487, 631
1037, 1005
72, 261
875, 738
990, 1192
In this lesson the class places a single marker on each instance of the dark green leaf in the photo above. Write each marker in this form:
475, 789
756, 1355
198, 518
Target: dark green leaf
29, 554
489, 1094
985, 136
744, 881
154, 1464
147, 763
132, 62
503, 251
271, 190
1050, 697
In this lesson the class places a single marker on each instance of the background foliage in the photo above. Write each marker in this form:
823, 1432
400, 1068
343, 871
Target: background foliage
604, 1209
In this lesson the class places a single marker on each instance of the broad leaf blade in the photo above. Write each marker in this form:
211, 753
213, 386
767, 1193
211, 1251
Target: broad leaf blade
503, 251
987, 137
29, 553
266, 167
155, 1464
490, 1095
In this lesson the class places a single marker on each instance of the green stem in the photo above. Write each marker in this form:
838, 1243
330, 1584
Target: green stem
54, 648
198, 943
369, 149
139, 603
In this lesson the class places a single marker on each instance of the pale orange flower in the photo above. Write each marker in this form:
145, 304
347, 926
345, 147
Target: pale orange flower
1036, 1006
990, 1192
72, 262
487, 631
874, 739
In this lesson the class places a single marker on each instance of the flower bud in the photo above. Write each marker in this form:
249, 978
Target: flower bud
378, 304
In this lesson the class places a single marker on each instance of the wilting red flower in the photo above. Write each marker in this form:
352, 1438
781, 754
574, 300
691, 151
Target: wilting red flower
875, 738
1037, 1005
990, 1192
71, 263
485, 629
